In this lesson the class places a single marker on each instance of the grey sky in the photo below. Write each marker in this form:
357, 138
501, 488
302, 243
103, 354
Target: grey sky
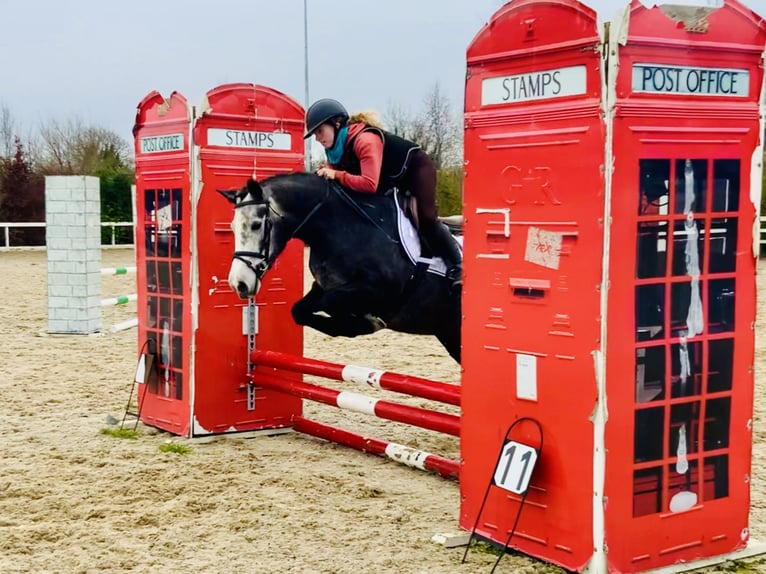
96, 59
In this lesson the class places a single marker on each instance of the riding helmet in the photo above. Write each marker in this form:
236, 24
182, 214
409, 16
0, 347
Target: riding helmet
323, 111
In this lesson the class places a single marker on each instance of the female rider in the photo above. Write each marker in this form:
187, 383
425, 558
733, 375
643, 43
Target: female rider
363, 157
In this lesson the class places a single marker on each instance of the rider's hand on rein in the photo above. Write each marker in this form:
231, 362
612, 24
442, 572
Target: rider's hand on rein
326, 173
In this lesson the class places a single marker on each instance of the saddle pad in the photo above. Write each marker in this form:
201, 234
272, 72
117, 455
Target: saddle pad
408, 235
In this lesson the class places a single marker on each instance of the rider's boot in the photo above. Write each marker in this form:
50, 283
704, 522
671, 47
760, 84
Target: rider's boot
443, 245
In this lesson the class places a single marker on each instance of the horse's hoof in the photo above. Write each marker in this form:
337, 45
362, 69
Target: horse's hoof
377, 323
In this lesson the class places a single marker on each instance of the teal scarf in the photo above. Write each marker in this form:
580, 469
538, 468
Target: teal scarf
335, 153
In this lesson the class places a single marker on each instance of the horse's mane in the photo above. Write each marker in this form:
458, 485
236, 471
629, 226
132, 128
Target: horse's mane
289, 188
298, 177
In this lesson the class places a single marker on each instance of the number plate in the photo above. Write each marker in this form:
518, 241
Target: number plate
515, 467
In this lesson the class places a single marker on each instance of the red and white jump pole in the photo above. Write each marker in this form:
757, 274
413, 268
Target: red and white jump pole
423, 418
415, 386
414, 458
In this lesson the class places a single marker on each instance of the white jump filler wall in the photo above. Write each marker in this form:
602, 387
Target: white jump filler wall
73, 239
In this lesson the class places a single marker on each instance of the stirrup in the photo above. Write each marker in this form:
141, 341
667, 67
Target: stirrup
454, 275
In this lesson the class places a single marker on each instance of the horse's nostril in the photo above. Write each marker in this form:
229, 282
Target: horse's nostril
242, 289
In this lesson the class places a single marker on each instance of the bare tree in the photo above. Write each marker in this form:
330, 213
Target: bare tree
435, 128
399, 121
8, 133
440, 129
57, 141
70, 147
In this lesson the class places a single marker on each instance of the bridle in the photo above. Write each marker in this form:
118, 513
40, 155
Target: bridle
246, 256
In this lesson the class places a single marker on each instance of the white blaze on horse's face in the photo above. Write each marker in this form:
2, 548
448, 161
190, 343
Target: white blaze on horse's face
251, 248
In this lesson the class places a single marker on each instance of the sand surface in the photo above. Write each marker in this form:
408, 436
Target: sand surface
75, 500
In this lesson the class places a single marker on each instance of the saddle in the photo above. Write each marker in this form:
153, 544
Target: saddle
395, 212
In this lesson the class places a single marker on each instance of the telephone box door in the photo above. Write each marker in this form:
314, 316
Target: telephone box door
681, 308
163, 256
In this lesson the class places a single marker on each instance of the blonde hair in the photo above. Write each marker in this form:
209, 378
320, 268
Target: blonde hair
368, 117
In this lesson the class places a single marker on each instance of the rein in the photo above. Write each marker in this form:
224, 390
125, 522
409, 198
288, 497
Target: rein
361, 212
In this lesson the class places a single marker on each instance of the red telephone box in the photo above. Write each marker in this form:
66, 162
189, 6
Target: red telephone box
163, 273
195, 324
533, 207
243, 131
681, 305
610, 278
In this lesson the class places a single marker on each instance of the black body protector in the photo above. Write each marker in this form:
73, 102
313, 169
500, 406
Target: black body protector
396, 156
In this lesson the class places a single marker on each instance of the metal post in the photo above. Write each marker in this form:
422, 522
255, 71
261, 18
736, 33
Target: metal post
307, 142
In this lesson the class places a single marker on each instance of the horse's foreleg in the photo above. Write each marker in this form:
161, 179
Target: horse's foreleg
324, 311
452, 344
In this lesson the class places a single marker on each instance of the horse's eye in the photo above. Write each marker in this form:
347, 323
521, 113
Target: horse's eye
255, 226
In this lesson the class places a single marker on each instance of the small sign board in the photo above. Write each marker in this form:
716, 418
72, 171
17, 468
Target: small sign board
514, 467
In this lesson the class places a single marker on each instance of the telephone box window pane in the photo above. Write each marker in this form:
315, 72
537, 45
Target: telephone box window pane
166, 381
716, 477
177, 278
654, 175
164, 318
177, 350
726, 184
178, 313
717, 423
163, 276
721, 305
150, 240
175, 241
723, 245
176, 199
685, 309
151, 312
686, 361
684, 429
167, 373
650, 312
150, 204
650, 374
151, 276
691, 184
647, 489
179, 383
161, 243
164, 203
688, 247
720, 365
152, 386
652, 242
683, 479
648, 434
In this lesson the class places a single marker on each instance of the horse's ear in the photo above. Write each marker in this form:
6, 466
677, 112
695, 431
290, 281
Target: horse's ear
255, 190
230, 195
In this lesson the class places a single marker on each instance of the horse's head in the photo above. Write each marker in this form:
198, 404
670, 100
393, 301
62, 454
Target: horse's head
253, 243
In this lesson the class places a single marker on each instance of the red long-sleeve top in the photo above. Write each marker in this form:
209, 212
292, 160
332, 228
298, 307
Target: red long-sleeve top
368, 147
